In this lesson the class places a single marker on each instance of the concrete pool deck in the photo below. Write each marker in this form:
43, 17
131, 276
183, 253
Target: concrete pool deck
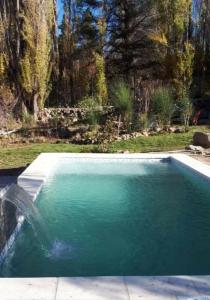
103, 288
107, 288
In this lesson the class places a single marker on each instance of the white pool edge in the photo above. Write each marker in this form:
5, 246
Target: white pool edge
37, 173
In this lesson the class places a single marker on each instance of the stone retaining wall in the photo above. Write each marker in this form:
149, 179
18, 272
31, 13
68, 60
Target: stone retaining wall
73, 115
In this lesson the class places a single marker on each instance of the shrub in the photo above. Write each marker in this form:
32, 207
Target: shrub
122, 100
186, 108
92, 104
89, 103
143, 121
163, 106
28, 120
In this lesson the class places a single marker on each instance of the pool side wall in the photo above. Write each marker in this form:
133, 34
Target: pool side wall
33, 178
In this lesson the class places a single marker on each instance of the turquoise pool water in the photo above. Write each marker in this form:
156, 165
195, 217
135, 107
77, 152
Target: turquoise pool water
117, 218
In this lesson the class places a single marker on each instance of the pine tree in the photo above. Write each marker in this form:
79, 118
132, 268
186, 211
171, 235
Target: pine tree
129, 49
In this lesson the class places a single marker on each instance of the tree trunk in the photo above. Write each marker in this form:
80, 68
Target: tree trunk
35, 107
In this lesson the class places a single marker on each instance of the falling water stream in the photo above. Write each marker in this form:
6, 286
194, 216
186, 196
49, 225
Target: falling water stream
26, 207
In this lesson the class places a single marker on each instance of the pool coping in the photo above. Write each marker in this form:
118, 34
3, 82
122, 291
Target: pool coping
107, 288
32, 180
37, 173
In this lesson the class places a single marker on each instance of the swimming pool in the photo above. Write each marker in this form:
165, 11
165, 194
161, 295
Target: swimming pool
116, 216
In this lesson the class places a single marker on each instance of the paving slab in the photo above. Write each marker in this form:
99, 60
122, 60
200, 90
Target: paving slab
195, 298
149, 288
106, 288
157, 288
202, 285
98, 288
183, 286
28, 289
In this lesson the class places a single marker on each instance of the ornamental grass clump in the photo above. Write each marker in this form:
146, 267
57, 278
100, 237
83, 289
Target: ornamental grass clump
163, 106
121, 98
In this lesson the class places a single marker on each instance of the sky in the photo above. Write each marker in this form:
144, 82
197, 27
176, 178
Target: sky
59, 10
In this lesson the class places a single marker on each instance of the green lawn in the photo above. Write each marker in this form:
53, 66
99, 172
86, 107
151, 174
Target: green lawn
156, 143
13, 156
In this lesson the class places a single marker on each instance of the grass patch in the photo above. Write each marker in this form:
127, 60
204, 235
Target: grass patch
13, 156
158, 143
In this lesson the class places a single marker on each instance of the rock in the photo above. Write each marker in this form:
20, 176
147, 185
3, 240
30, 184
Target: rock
172, 129
145, 133
78, 138
64, 133
139, 134
59, 142
126, 152
68, 115
201, 139
123, 152
197, 149
126, 137
179, 130
157, 129
40, 139
25, 141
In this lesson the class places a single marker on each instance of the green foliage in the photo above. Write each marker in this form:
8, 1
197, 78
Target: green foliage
143, 121
128, 29
173, 16
186, 108
17, 156
146, 42
36, 62
183, 71
93, 107
55, 120
27, 120
157, 143
101, 87
163, 106
121, 99
2, 67
92, 103
178, 57
3, 56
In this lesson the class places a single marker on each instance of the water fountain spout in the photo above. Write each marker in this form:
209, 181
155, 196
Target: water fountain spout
27, 208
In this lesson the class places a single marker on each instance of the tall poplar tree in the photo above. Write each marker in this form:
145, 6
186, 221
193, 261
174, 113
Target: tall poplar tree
202, 47
35, 64
175, 34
